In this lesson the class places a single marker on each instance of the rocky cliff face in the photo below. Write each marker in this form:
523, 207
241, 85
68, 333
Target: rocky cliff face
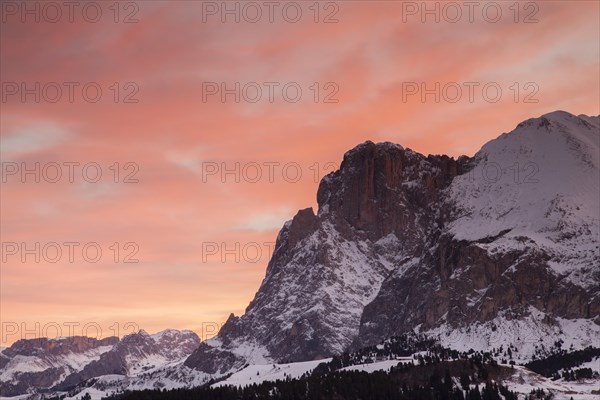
374, 215
504, 243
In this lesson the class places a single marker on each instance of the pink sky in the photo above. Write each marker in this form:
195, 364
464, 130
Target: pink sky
171, 136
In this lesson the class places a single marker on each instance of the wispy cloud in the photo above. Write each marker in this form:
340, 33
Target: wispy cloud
32, 138
268, 221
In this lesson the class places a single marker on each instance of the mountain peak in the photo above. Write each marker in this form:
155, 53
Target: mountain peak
558, 114
371, 147
402, 241
370, 144
375, 181
561, 120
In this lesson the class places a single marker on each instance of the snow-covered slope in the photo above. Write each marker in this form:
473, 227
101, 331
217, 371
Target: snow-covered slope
524, 381
540, 183
269, 372
535, 190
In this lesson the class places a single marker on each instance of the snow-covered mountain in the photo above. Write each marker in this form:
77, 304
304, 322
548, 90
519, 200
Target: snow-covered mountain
34, 365
496, 249
515, 258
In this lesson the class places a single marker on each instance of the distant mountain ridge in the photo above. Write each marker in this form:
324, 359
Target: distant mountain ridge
33, 365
